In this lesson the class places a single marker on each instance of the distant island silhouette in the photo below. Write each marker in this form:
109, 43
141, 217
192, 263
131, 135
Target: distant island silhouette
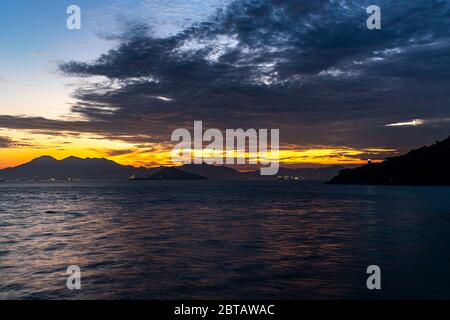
425, 166
175, 174
73, 168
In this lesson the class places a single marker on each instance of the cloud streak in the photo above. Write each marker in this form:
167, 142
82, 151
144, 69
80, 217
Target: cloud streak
416, 122
5, 142
420, 122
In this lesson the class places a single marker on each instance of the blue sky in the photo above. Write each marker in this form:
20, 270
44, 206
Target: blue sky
34, 39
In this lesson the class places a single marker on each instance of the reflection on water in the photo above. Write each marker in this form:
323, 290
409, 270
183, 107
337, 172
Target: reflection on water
211, 240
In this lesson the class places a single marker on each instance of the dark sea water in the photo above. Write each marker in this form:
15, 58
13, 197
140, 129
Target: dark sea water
223, 240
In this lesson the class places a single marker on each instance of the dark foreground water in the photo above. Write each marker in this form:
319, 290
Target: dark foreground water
223, 240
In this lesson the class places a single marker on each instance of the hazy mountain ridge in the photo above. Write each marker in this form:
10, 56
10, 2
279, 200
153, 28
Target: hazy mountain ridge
227, 173
424, 166
46, 167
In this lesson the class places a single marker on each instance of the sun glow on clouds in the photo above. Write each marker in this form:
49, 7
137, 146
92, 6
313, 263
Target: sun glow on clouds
27, 145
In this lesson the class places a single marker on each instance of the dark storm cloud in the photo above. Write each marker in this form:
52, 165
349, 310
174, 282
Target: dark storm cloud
310, 68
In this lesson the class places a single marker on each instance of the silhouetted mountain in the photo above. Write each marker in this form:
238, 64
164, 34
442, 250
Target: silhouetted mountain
424, 166
175, 174
47, 167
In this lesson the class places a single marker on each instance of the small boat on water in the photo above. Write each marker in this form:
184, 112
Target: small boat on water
289, 178
134, 178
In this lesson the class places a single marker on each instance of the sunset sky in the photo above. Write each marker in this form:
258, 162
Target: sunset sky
137, 70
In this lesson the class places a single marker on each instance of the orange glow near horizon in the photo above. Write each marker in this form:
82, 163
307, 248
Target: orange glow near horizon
28, 145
